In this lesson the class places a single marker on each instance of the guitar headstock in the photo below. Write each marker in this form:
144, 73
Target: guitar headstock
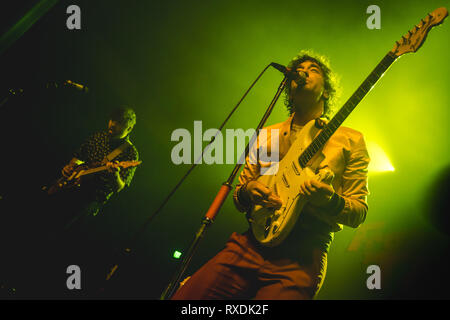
413, 40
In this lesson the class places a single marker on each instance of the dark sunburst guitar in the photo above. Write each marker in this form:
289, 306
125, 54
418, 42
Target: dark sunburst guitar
75, 178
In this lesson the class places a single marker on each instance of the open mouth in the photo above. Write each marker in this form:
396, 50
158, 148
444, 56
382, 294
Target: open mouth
301, 82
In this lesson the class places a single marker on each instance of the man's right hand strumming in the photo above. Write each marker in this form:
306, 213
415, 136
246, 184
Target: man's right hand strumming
259, 193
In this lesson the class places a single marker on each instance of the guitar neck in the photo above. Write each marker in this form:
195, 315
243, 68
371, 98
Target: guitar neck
346, 109
93, 170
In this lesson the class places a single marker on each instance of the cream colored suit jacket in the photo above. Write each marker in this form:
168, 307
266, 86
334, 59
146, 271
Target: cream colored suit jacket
345, 154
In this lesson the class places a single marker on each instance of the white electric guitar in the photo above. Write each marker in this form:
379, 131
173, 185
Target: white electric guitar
270, 227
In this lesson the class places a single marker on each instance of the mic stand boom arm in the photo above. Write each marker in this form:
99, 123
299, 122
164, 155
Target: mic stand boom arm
217, 203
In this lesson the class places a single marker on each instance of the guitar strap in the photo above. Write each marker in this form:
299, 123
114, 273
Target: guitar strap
113, 154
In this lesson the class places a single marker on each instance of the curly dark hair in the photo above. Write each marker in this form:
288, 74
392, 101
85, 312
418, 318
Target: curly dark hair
331, 82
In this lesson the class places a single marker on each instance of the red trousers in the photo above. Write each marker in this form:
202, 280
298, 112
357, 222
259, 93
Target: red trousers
242, 270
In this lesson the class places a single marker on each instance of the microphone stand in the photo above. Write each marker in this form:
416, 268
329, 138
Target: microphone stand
217, 203
124, 253
48, 85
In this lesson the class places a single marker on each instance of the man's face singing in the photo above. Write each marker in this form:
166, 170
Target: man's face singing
313, 89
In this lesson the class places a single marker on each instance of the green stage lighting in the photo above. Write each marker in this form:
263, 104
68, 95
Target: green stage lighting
177, 254
379, 161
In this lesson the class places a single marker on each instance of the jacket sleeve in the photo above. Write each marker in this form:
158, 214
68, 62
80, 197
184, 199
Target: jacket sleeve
355, 190
250, 172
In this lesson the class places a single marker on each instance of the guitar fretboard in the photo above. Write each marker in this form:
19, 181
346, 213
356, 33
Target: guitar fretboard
122, 164
93, 170
346, 109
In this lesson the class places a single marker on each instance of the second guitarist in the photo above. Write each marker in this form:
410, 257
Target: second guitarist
62, 231
98, 188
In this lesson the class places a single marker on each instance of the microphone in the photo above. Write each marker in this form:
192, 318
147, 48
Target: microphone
291, 74
77, 86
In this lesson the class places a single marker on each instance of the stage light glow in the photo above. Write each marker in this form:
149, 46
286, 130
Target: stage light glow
379, 161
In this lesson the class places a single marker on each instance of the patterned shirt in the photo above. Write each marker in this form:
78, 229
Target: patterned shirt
101, 185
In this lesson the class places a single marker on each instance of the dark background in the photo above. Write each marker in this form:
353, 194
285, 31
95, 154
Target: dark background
176, 62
